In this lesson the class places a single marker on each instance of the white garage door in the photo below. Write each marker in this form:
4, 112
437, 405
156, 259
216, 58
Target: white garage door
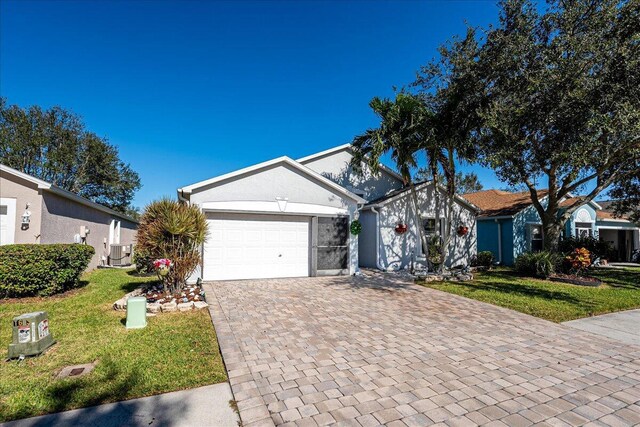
256, 246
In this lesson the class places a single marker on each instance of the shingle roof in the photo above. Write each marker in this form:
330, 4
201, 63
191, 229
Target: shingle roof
501, 203
607, 212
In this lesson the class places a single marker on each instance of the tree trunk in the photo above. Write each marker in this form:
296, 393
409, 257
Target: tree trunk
436, 196
451, 193
416, 209
551, 231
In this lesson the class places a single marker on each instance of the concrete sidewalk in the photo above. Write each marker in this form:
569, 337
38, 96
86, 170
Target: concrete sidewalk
203, 406
623, 326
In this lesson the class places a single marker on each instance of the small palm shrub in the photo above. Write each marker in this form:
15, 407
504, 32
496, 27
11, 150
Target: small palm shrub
175, 231
538, 264
482, 259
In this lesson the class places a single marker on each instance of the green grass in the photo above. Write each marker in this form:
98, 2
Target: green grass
175, 351
551, 300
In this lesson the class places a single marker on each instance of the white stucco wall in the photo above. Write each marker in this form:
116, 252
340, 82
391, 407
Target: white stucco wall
395, 250
337, 168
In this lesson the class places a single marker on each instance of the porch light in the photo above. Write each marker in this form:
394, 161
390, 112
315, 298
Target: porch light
26, 218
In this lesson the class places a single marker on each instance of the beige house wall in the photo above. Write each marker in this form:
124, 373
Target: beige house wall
62, 219
23, 191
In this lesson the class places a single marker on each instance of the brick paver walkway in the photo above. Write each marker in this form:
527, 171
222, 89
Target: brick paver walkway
365, 351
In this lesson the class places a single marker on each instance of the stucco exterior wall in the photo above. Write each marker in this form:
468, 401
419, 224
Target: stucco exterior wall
278, 181
62, 218
397, 250
13, 187
337, 168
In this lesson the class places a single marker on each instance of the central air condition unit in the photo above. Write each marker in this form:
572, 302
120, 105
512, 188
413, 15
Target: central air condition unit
120, 255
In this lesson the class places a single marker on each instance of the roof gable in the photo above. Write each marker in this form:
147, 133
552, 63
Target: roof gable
340, 148
396, 194
222, 179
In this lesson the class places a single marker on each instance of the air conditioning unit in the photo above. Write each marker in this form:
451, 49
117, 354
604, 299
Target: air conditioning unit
120, 255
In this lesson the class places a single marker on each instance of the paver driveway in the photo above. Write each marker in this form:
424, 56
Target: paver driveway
367, 351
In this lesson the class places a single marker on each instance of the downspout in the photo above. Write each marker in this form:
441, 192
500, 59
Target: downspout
500, 242
181, 196
373, 209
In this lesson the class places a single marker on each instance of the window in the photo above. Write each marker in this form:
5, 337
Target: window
535, 237
583, 230
429, 226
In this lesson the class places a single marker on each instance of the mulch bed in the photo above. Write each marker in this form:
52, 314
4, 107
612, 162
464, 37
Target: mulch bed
576, 280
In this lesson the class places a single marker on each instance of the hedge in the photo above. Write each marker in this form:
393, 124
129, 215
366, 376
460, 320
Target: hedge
28, 270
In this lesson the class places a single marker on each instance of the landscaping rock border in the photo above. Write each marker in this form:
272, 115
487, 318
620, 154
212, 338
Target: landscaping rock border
156, 308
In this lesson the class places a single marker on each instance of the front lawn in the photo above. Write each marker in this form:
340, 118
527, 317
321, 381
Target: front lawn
175, 351
550, 300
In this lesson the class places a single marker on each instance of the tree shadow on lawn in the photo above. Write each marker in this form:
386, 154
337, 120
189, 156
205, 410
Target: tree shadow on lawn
132, 286
120, 413
618, 278
520, 289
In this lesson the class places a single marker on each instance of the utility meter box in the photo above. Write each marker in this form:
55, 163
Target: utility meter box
31, 335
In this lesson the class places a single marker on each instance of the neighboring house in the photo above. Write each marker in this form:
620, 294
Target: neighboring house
288, 218
35, 211
509, 225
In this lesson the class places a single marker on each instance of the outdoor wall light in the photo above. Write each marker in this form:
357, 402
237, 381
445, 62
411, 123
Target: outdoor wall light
26, 218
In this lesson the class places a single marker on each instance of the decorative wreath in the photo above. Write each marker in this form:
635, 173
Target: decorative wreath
356, 227
463, 230
401, 228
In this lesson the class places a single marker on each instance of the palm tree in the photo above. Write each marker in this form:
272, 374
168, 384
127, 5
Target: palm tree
403, 132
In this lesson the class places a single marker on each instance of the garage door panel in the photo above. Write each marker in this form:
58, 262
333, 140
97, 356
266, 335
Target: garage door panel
256, 246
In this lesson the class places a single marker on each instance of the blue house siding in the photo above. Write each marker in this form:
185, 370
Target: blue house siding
488, 238
570, 229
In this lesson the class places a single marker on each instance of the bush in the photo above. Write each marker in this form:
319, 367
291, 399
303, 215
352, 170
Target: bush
143, 261
578, 261
597, 248
175, 231
482, 259
28, 270
538, 264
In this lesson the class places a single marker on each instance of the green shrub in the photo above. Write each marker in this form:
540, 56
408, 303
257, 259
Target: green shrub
27, 270
597, 248
482, 259
538, 264
143, 261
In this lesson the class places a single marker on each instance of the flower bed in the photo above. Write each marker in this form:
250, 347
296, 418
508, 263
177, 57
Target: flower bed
160, 300
576, 280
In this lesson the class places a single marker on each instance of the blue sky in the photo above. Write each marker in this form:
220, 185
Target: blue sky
192, 89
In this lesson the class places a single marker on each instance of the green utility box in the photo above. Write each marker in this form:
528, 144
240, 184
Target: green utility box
31, 335
136, 312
